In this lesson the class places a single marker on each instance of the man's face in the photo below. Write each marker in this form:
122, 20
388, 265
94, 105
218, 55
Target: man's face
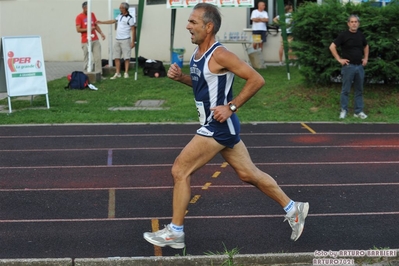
122, 9
196, 26
353, 24
85, 9
261, 6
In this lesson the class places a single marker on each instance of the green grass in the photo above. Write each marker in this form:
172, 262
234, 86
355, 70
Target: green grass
280, 100
229, 253
374, 260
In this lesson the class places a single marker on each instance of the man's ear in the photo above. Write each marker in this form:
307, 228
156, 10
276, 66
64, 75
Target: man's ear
209, 27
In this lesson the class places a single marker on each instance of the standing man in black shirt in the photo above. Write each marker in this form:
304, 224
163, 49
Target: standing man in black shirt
354, 56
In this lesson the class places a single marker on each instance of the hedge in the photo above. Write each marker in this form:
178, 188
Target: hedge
316, 26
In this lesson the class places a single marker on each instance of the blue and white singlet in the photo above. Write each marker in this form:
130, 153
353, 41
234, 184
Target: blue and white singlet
211, 90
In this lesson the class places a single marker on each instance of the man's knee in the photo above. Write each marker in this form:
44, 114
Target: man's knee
246, 178
178, 172
256, 177
249, 175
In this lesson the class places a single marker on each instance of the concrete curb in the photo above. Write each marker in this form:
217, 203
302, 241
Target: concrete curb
216, 260
281, 259
246, 260
37, 262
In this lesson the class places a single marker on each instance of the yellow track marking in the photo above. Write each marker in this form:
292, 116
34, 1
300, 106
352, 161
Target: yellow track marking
207, 185
308, 128
195, 199
155, 227
224, 165
216, 174
111, 204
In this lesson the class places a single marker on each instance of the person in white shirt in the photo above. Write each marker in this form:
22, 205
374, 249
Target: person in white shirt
125, 38
290, 38
259, 19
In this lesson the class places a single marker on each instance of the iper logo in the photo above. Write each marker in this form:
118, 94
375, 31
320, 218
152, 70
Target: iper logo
15, 63
23, 67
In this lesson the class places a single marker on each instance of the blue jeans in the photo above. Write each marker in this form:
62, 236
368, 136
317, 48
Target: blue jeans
352, 73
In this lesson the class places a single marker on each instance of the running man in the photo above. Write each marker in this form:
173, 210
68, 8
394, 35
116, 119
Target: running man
212, 69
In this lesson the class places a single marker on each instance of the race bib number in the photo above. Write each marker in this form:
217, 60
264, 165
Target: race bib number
201, 112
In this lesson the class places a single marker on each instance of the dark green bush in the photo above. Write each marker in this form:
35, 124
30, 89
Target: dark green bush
316, 26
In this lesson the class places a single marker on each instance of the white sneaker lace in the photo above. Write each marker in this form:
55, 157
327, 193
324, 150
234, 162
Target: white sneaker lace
291, 221
162, 232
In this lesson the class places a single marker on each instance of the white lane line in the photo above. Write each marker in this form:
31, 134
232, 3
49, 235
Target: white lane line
194, 187
96, 149
179, 148
209, 164
197, 217
96, 136
191, 134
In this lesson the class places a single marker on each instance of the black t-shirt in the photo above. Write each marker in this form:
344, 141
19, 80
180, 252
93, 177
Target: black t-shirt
352, 45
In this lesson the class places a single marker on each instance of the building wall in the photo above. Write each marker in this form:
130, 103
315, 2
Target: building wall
54, 21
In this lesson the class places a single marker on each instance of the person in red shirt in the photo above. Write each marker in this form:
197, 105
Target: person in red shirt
81, 27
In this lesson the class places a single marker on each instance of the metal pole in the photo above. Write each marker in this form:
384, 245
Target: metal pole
110, 41
281, 13
172, 32
89, 35
138, 34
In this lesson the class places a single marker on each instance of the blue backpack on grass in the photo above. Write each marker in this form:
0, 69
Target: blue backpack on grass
77, 81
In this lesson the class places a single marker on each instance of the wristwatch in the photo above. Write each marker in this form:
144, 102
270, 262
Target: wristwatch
232, 107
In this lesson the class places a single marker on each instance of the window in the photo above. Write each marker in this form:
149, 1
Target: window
156, 2
271, 8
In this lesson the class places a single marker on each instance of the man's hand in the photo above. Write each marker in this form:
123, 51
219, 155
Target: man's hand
174, 72
344, 62
221, 113
364, 62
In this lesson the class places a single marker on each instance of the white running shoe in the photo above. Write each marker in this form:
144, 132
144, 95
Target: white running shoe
165, 237
342, 115
126, 75
117, 75
297, 222
361, 115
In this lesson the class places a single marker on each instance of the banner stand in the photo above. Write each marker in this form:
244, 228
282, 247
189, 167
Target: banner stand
31, 102
22, 69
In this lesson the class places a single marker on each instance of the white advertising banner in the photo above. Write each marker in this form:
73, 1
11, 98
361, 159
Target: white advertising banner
219, 3
23, 66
